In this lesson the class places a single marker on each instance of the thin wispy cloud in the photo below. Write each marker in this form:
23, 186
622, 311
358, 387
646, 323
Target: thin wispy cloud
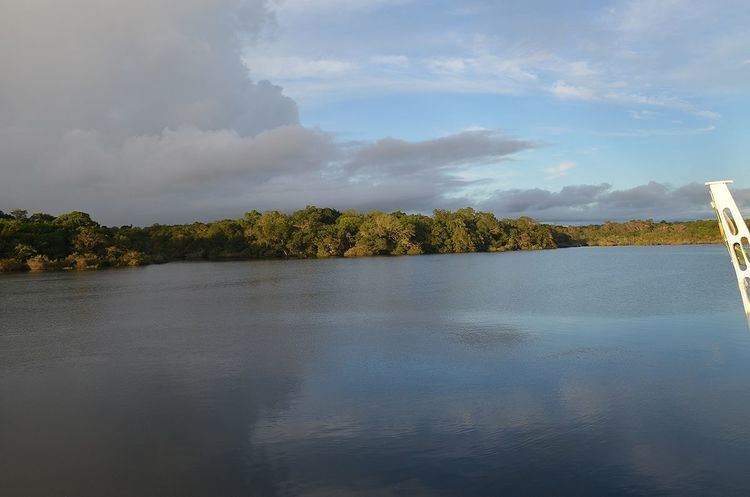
601, 58
617, 93
642, 114
646, 132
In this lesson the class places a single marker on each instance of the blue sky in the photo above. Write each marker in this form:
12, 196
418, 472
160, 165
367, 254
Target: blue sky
174, 110
621, 92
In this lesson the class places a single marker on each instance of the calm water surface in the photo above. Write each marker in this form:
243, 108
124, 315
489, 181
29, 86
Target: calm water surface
591, 371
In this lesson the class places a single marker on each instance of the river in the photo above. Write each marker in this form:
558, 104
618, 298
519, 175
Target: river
583, 371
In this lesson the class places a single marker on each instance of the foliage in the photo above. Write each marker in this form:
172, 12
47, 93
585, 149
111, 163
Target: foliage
645, 232
38, 263
19, 214
75, 241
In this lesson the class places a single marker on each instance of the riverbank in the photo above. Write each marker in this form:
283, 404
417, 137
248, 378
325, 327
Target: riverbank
74, 241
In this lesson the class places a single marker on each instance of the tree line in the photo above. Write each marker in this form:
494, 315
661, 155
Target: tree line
75, 241
646, 232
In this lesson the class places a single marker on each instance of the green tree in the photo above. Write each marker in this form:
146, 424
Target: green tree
271, 233
42, 241
310, 226
89, 239
41, 217
384, 234
18, 214
74, 220
23, 251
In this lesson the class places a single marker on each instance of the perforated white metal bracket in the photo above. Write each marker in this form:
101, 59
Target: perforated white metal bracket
736, 236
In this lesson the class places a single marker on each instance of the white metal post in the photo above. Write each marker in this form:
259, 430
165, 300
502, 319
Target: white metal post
736, 236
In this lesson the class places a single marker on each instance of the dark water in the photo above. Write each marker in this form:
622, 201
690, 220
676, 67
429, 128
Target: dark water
592, 371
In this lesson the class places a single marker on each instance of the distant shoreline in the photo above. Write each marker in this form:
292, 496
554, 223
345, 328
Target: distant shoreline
74, 241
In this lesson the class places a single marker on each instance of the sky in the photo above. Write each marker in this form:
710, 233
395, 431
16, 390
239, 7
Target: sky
178, 110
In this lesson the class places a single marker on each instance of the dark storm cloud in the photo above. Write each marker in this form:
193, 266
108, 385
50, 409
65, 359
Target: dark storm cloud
106, 103
134, 68
536, 199
142, 111
413, 176
596, 203
394, 156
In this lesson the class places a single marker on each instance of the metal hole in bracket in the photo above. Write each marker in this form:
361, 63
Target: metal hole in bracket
730, 221
746, 287
740, 255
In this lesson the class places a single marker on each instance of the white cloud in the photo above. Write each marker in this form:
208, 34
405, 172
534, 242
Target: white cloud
616, 93
654, 54
581, 69
559, 170
452, 65
563, 90
661, 132
392, 61
643, 17
642, 114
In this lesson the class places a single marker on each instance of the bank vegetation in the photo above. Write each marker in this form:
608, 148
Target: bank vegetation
40, 242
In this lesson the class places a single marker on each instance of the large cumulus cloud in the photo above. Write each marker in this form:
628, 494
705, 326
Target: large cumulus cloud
135, 67
106, 103
142, 111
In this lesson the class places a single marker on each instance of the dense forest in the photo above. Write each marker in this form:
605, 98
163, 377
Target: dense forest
644, 233
75, 241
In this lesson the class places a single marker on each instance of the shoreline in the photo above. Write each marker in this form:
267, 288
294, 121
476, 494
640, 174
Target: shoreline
74, 241
280, 259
